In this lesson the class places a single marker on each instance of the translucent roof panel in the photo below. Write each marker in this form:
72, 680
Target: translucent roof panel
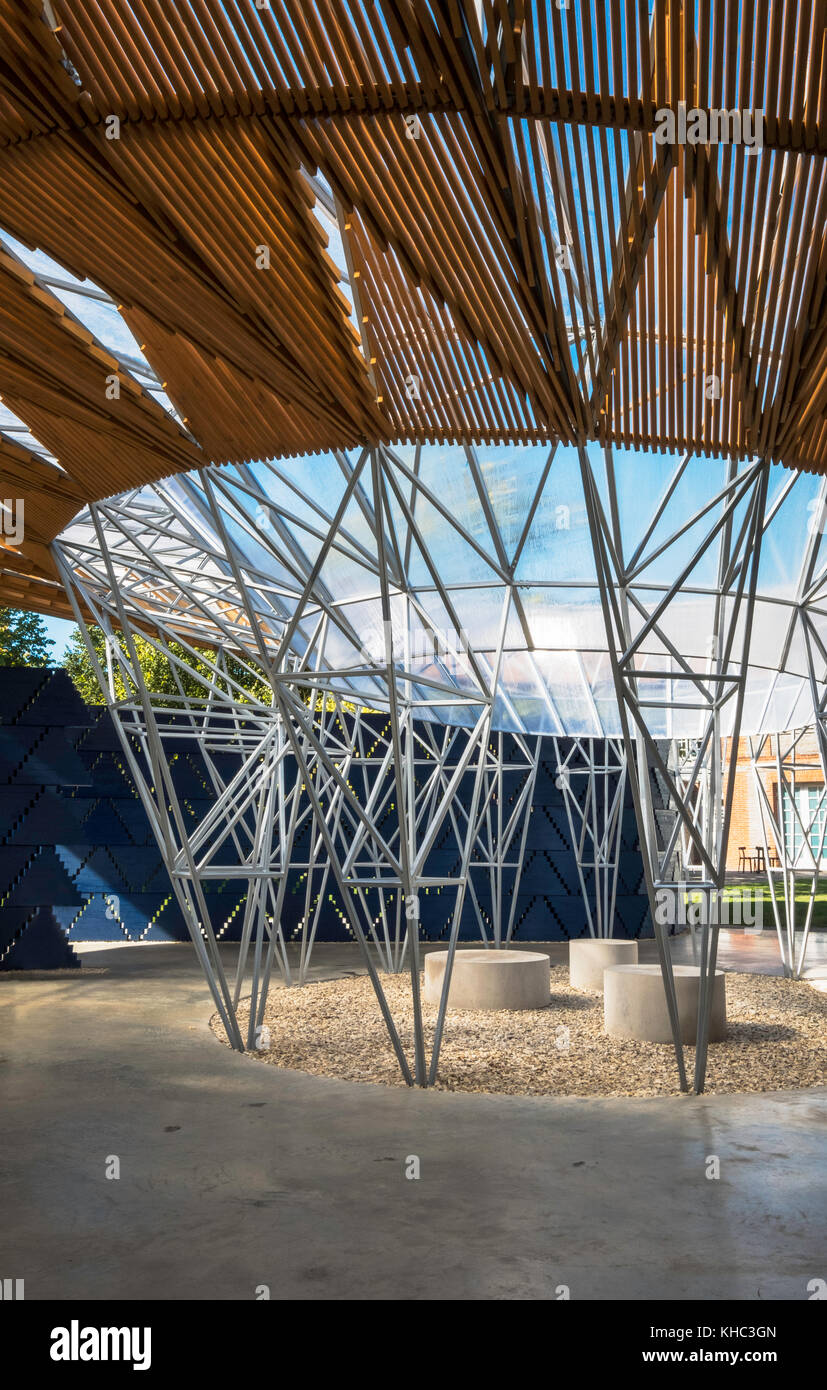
482, 546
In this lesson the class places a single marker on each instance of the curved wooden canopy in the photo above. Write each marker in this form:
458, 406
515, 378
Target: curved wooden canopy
523, 259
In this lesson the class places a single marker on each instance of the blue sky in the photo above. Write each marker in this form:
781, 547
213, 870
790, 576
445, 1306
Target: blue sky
59, 629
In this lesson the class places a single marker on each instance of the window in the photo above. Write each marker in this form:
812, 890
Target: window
811, 806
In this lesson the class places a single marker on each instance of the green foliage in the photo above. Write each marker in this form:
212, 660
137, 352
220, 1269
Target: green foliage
23, 640
158, 671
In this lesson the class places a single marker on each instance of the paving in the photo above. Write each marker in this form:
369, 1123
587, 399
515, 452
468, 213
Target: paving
234, 1175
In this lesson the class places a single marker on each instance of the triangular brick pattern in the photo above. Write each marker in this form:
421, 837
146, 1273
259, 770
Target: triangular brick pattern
75, 843
32, 939
39, 716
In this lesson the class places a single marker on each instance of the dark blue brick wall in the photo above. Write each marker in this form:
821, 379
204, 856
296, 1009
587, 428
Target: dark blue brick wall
76, 849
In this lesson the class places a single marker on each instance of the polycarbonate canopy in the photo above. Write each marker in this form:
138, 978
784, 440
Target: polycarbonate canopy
474, 540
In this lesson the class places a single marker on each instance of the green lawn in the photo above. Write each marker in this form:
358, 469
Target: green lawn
802, 897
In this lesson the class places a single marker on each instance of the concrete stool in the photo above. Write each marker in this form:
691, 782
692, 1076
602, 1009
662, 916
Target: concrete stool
591, 955
634, 1003
490, 979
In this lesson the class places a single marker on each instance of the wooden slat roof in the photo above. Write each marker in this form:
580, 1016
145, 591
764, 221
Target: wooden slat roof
525, 261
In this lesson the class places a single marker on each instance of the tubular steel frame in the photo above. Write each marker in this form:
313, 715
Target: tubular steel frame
257, 810
595, 822
365, 858
695, 793
785, 746
733, 523
163, 561
789, 760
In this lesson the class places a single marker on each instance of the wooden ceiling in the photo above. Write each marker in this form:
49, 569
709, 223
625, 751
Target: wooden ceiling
525, 261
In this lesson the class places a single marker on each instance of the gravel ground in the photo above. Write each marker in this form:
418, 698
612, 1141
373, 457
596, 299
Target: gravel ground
777, 1039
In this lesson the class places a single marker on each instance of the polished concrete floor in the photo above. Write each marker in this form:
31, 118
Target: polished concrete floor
753, 953
234, 1175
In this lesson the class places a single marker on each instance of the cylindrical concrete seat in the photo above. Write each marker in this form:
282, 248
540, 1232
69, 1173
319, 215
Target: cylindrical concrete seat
634, 1003
590, 956
490, 979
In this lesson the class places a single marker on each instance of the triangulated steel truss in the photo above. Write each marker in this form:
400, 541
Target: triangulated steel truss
247, 833
467, 600
360, 854
731, 526
364, 757
496, 866
592, 778
694, 787
794, 843
441, 780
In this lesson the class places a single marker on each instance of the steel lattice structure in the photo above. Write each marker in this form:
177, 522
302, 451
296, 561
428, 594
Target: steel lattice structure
559, 363
395, 595
793, 842
358, 854
478, 551
595, 819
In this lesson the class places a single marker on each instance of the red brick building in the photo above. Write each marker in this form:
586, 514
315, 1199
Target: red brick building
746, 839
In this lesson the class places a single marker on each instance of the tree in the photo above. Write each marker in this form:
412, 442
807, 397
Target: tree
23, 640
157, 668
